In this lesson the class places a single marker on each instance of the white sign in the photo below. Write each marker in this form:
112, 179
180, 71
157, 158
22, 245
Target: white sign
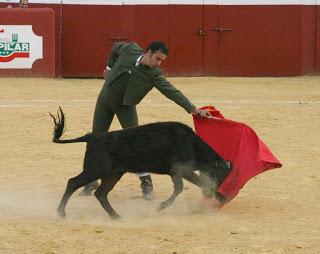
19, 47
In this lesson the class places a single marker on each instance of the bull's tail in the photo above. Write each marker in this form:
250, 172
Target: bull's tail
59, 129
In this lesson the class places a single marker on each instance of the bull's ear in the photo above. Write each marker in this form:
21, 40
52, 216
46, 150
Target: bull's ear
228, 163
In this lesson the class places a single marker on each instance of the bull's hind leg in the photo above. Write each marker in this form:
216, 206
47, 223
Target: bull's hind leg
178, 187
73, 184
105, 187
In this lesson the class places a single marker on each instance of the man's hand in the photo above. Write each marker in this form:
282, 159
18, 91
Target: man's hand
105, 74
202, 113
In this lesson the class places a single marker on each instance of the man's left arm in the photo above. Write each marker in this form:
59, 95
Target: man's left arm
172, 93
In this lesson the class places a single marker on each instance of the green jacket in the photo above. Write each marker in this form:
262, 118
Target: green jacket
142, 78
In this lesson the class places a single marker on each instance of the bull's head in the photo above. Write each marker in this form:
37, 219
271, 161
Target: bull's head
214, 177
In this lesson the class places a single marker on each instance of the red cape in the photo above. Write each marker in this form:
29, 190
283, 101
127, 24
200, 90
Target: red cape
238, 143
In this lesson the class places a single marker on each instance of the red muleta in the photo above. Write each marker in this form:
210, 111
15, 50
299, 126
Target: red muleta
238, 143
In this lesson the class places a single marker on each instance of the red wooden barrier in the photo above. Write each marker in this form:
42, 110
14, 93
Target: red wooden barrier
208, 39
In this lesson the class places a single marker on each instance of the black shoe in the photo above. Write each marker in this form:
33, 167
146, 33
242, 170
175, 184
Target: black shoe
89, 188
147, 187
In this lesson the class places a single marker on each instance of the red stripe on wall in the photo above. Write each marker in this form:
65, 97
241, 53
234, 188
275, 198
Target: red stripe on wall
5, 59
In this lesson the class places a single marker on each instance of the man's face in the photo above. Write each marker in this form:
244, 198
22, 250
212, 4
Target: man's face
155, 59
23, 3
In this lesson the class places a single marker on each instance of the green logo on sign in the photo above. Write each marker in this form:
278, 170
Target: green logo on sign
14, 49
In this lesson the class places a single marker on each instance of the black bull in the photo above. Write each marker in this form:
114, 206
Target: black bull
170, 148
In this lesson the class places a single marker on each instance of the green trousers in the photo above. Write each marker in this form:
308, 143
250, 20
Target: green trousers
109, 103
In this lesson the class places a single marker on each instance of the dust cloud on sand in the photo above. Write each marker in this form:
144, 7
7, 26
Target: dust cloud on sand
37, 203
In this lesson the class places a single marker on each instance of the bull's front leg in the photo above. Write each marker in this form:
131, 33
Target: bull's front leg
208, 188
193, 178
178, 187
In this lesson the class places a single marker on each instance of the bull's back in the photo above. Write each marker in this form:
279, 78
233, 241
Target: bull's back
154, 137
155, 147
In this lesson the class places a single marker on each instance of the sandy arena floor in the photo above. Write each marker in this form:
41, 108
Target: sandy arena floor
276, 212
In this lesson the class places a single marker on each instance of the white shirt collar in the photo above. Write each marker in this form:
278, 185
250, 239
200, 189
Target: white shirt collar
138, 60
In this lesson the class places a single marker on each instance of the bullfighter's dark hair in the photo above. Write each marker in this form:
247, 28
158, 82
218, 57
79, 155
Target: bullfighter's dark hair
158, 46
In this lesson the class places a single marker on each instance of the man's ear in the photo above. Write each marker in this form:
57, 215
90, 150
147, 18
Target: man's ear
149, 52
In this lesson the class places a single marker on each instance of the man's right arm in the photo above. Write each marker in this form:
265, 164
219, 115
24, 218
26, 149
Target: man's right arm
116, 51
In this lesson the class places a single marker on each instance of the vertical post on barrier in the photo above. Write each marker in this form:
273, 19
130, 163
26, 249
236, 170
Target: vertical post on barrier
317, 35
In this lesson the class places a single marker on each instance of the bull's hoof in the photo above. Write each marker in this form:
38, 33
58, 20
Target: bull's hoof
116, 217
163, 205
61, 213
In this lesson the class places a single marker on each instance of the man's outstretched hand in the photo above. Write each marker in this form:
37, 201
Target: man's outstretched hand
201, 113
